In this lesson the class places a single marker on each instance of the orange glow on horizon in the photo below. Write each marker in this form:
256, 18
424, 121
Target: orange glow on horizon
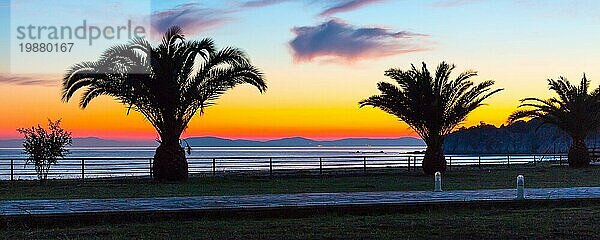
296, 105
231, 119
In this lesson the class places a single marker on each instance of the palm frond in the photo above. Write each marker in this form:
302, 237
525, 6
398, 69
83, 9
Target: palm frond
575, 110
166, 83
432, 105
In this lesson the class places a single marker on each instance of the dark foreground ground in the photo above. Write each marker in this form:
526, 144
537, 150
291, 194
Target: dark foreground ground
498, 223
380, 180
495, 222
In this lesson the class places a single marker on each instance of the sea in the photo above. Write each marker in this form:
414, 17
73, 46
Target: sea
148, 152
136, 161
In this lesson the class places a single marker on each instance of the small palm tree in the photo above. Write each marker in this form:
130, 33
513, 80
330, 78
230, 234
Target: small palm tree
576, 111
168, 84
432, 105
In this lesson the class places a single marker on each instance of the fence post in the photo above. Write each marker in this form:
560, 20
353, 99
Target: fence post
12, 169
508, 160
415, 166
479, 161
271, 166
560, 160
365, 165
214, 167
150, 165
321, 166
82, 169
408, 164
534, 163
450, 166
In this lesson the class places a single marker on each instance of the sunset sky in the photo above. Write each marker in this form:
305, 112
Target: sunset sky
320, 58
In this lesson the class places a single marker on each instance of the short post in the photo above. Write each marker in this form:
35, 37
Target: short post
408, 163
520, 187
365, 165
450, 165
479, 161
508, 160
271, 166
12, 169
438, 182
82, 169
214, 166
321, 166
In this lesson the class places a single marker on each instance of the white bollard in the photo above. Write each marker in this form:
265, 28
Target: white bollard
438, 182
520, 187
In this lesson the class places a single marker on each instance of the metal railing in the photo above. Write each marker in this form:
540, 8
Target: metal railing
92, 167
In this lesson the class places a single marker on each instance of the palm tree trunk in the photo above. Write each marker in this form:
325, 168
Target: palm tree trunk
434, 160
579, 155
170, 163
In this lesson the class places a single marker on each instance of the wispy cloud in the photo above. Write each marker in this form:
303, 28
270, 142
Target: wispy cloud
261, 3
192, 17
453, 3
338, 41
347, 5
195, 18
29, 80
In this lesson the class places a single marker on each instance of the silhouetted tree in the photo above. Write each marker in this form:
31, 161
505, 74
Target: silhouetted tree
168, 84
432, 105
576, 111
45, 146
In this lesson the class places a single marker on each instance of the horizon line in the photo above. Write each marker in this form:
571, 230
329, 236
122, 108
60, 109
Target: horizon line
233, 139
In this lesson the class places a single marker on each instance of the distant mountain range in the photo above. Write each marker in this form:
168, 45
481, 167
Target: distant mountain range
520, 137
303, 142
222, 142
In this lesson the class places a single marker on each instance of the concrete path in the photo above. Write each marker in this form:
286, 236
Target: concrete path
90, 206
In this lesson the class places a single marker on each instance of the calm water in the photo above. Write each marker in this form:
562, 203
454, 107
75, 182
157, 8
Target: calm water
148, 152
95, 168
281, 159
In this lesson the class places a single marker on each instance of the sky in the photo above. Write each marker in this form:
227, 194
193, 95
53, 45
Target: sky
319, 58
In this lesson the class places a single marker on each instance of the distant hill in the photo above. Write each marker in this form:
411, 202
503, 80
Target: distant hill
519, 137
302, 142
222, 142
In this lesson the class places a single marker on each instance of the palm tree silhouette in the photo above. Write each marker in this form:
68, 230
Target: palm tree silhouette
432, 105
168, 84
576, 111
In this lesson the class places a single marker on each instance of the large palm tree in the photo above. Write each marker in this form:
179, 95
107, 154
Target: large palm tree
432, 105
168, 84
576, 111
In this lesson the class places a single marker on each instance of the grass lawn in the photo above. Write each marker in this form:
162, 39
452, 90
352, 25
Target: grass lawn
537, 222
547, 176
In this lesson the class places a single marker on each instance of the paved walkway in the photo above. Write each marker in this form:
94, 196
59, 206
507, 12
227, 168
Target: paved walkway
90, 206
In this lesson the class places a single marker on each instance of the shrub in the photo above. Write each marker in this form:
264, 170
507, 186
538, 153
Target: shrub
45, 146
